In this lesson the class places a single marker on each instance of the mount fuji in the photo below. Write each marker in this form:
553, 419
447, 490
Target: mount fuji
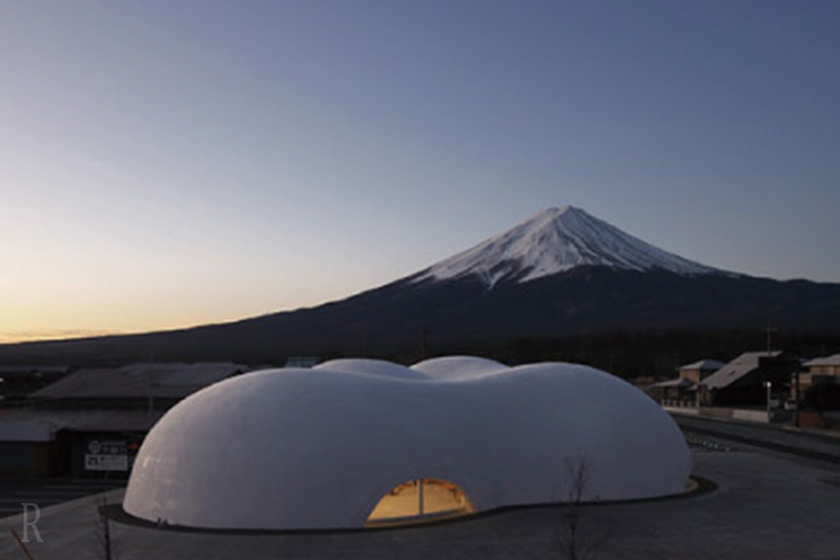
555, 241
560, 273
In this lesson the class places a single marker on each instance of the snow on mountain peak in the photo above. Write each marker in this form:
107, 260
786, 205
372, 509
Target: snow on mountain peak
554, 241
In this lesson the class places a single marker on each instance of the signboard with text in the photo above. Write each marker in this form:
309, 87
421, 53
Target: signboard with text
103, 454
106, 455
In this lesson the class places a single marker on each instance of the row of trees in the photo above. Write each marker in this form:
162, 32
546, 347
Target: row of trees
632, 354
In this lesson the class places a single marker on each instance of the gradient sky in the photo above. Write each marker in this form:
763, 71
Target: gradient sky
171, 163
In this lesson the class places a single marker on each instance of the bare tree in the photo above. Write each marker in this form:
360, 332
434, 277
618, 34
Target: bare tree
102, 530
581, 538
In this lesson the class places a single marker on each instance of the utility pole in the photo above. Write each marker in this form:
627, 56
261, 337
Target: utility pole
149, 394
770, 331
424, 342
797, 400
150, 399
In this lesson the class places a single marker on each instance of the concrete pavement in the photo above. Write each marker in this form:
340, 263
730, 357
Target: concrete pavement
765, 507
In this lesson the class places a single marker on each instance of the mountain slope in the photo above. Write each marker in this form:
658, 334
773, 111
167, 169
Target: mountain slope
563, 272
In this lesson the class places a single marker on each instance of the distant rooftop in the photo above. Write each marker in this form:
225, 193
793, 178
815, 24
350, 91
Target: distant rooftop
163, 380
703, 365
825, 361
302, 362
679, 382
737, 368
20, 424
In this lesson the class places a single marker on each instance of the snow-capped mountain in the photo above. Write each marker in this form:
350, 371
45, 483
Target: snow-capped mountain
557, 240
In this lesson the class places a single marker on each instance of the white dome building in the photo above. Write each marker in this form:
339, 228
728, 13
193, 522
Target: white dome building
358, 443
457, 367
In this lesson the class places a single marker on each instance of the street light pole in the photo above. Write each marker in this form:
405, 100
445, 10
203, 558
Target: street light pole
768, 385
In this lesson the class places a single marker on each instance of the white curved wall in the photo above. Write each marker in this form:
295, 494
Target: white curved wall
302, 449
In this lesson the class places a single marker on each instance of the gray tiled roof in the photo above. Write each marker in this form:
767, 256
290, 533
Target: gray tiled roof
825, 361
678, 382
40, 425
173, 380
704, 365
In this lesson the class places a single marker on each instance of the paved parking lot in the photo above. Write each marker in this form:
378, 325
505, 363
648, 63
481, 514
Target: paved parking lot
766, 506
48, 492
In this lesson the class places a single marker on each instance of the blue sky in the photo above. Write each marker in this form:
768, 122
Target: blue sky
172, 163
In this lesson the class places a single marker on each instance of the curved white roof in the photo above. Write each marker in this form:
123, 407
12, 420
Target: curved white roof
371, 367
458, 367
304, 449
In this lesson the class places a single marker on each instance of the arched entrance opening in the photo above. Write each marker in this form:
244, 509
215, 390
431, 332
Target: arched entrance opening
420, 501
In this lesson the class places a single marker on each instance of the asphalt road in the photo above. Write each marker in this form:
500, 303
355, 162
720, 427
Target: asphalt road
773, 437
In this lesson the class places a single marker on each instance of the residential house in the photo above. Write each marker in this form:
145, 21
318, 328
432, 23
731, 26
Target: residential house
742, 381
682, 391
